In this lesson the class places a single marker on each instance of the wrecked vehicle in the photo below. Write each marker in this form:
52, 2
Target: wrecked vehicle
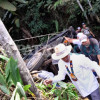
41, 58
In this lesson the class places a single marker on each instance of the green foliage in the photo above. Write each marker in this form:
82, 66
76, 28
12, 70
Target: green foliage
5, 4
4, 58
34, 16
5, 89
26, 88
17, 23
18, 92
11, 75
66, 91
22, 1
96, 6
57, 3
14, 71
48, 16
57, 25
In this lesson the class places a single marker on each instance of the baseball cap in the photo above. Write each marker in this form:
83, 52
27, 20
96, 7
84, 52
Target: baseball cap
83, 38
83, 23
79, 34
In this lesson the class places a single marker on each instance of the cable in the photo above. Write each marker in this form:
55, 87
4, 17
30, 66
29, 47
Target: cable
34, 37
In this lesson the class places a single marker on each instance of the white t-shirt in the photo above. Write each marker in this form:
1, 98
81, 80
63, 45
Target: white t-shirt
77, 42
82, 66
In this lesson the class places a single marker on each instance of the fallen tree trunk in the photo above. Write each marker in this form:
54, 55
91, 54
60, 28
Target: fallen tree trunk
11, 50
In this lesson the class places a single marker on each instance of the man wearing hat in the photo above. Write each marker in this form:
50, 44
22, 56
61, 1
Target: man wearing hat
90, 48
87, 31
79, 69
75, 41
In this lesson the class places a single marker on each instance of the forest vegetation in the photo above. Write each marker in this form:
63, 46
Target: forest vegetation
29, 18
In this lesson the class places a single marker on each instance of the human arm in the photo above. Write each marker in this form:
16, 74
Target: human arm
97, 49
92, 65
91, 33
69, 39
98, 56
61, 75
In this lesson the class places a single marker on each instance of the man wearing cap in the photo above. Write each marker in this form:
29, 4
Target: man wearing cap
75, 41
90, 48
87, 31
79, 69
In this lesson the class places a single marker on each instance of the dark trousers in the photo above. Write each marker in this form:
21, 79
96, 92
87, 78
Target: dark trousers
95, 95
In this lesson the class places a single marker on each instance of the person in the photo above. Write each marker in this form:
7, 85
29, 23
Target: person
78, 30
90, 48
76, 42
79, 69
87, 31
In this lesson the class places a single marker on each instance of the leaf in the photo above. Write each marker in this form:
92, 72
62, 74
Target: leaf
20, 88
4, 58
14, 93
2, 80
26, 87
17, 23
62, 84
7, 5
8, 76
14, 71
4, 89
7, 69
57, 98
17, 97
22, 1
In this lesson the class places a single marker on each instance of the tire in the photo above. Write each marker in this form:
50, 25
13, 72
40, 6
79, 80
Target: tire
35, 62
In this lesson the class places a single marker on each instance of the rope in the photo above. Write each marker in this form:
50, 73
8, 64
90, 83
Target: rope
30, 50
44, 46
35, 37
29, 47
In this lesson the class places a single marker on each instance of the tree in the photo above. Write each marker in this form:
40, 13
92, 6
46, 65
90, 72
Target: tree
81, 7
11, 50
93, 12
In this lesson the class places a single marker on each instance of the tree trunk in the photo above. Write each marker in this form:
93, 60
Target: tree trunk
85, 15
95, 15
11, 50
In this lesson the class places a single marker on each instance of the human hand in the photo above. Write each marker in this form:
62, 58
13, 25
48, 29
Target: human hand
47, 81
93, 35
66, 38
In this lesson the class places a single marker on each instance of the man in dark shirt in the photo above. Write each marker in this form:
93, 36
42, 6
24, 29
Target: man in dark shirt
90, 48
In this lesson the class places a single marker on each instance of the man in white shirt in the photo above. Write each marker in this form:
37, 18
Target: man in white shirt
75, 41
79, 69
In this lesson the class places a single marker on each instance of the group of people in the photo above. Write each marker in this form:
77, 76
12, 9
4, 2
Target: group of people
79, 67
85, 30
87, 44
